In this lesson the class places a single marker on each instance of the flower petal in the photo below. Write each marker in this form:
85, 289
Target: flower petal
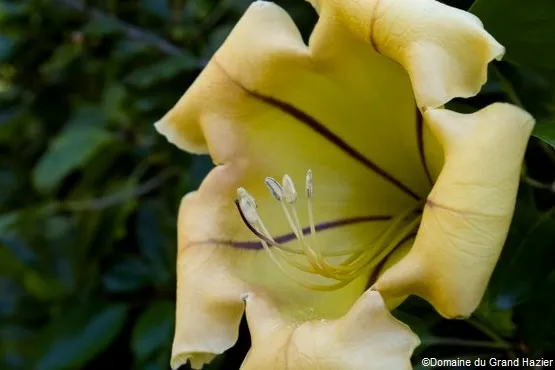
351, 101
213, 278
468, 212
444, 50
267, 105
368, 337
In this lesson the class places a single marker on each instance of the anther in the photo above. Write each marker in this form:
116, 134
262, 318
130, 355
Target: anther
289, 189
243, 193
275, 188
247, 204
308, 186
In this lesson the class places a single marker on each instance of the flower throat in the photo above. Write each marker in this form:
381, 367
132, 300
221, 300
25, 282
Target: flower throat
356, 261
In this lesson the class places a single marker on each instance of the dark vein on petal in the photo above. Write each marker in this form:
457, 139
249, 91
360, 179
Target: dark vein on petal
372, 22
420, 143
431, 204
286, 238
322, 130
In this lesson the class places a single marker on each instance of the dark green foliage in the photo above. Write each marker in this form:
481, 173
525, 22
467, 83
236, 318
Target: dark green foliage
89, 191
526, 29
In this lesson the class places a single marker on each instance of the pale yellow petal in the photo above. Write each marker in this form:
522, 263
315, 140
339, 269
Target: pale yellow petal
209, 306
265, 105
213, 276
343, 97
368, 337
269, 105
444, 50
468, 212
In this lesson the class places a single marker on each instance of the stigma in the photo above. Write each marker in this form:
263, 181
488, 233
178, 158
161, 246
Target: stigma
337, 268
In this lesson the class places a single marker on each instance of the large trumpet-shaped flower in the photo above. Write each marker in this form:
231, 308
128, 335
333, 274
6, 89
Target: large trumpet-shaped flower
382, 190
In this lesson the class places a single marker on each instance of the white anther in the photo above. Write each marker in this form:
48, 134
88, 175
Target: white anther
275, 188
308, 187
242, 193
248, 208
289, 189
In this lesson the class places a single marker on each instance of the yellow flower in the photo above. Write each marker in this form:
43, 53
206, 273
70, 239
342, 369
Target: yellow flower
398, 194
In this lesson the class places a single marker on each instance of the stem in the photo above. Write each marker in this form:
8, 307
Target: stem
127, 29
120, 197
538, 184
535, 183
496, 338
509, 89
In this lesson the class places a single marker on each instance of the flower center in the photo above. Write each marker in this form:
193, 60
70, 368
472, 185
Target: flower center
353, 262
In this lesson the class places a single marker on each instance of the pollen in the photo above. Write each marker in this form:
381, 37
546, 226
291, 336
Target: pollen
309, 257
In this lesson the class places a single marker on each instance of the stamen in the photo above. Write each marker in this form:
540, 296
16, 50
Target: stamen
309, 251
357, 261
290, 191
248, 206
264, 236
275, 188
311, 223
308, 182
243, 193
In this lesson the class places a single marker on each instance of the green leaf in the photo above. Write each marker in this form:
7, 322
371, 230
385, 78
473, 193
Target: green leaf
41, 286
129, 275
526, 89
100, 27
70, 150
525, 261
159, 8
154, 240
15, 230
86, 114
128, 49
9, 264
11, 296
420, 326
421, 318
545, 131
525, 28
46, 269
113, 103
537, 320
6, 47
72, 341
8, 9
531, 92
8, 184
164, 70
499, 320
240, 6
14, 339
63, 55
153, 330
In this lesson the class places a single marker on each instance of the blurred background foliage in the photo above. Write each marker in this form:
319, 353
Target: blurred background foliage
89, 191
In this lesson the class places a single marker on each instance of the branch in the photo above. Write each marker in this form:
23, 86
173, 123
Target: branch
127, 29
120, 197
535, 183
